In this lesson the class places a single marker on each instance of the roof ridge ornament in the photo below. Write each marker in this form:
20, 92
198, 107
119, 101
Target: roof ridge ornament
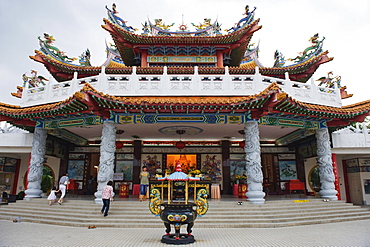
333, 82
48, 48
157, 30
117, 20
33, 81
248, 19
313, 50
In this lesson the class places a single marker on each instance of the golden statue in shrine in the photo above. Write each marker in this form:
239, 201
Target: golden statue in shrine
187, 162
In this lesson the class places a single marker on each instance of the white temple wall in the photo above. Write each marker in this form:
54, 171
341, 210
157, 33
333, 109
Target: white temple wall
16, 142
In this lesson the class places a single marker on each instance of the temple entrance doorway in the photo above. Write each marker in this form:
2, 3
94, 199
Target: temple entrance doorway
271, 175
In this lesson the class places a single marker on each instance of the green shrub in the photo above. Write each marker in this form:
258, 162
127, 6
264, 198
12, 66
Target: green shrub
20, 195
46, 183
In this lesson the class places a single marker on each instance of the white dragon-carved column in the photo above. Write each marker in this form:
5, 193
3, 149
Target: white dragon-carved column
327, 178
106, 163
36, 164
253, 167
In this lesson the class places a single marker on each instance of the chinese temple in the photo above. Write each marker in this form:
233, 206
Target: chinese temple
194, 95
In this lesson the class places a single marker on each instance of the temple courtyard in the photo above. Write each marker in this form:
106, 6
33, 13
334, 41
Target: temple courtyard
352, 233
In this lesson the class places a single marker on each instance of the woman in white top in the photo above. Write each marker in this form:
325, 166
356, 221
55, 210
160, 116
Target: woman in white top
64, 180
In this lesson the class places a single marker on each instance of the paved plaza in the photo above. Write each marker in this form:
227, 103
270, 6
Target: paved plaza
353, 233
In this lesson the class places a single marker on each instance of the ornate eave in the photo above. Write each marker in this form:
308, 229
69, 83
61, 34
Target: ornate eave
63, 71
298, 72
129, 43
122, 35
269, 102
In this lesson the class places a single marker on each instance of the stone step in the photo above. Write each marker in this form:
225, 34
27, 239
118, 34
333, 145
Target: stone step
159, 224
121, 212
225, 205
206, 219
134, 214
241, 211
145, 214
135, 208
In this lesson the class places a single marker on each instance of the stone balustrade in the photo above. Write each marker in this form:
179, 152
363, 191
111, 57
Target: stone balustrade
181, 85
352, 137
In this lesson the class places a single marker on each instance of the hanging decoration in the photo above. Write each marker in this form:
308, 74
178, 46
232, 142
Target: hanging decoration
180, 144
242, 144
119, 145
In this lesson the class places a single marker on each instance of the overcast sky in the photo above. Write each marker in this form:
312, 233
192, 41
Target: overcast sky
287, 26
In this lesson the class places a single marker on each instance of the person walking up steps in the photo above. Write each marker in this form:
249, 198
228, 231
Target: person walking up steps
64, 180
107, 195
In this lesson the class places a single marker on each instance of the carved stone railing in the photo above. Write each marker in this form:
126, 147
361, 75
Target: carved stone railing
181, 85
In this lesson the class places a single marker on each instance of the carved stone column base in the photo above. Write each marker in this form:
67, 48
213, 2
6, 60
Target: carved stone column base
33, 193
256, 197
329, 194
98, 199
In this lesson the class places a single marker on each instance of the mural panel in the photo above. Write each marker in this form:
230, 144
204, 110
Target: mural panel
76, 169
125, 167
212, 167
152, 162
288, 170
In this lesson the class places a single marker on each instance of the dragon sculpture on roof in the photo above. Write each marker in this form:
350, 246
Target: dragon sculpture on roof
310, 51
47, 47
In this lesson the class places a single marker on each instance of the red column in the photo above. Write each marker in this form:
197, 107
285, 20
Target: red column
144, 58
335, 170
28, 171
346, 186
220, 59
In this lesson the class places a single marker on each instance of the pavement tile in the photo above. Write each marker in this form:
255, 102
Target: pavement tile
353, 233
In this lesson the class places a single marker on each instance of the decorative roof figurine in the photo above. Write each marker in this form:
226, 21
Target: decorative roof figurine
85, 58
48, 48
334, 82
314, 49
33, 81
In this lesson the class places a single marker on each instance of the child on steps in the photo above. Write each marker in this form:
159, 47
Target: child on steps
52, 196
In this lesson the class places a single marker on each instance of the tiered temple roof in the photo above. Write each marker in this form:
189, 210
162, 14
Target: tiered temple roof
265, 100
223, 49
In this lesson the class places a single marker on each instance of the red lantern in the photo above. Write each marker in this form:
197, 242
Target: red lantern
119, 145
242, 144
180, 145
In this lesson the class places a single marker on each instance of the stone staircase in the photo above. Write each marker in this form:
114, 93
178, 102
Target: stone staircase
221, 214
